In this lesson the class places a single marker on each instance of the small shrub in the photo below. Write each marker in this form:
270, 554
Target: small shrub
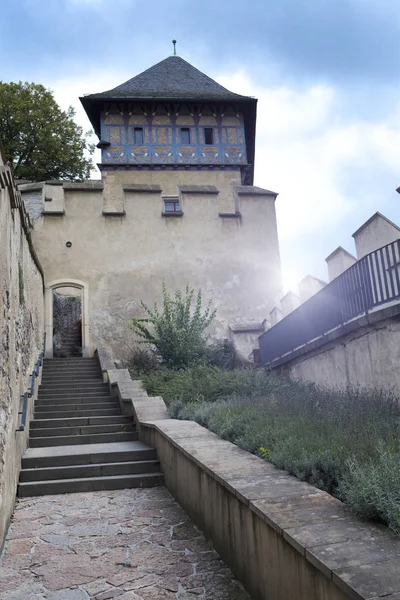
176, 332
142, 361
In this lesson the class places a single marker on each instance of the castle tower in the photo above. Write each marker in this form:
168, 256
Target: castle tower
176, 203
173, 117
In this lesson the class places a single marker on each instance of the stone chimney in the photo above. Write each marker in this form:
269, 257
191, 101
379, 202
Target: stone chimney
378, 231
309, 286
289, 303
338, 262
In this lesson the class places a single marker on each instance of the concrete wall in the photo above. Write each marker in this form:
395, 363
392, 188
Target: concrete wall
365, 352
284, 539
126, 254
21, 329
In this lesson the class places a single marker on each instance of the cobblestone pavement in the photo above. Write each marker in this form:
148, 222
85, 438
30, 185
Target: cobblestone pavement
125, 544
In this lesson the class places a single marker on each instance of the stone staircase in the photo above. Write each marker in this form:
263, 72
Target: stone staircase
79, 439
71, 343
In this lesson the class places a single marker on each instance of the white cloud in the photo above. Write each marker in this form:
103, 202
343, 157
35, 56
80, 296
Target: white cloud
305, 145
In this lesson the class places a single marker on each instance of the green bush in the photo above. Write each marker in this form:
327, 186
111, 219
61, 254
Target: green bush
346, 443
177, 332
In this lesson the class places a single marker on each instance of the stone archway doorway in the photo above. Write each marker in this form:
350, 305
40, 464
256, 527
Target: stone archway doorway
82, 290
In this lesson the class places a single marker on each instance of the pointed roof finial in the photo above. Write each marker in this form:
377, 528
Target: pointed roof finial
174, 43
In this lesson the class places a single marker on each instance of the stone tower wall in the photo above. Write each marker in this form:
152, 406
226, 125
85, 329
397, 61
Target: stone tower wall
115, 237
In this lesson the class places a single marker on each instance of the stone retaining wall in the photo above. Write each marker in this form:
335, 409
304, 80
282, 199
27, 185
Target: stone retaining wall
21, 330
284, 539
364, 352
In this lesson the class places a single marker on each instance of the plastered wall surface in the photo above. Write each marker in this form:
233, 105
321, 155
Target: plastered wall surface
124, 258
21, 329
368, 358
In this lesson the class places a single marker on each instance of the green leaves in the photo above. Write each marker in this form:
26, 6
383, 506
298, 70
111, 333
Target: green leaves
178, 331
41, 141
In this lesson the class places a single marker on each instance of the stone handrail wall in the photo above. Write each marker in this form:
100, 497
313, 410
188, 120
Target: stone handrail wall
21, 330
284, 539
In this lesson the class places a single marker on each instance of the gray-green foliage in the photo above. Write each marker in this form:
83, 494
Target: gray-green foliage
177, 331
346, 443
372, 487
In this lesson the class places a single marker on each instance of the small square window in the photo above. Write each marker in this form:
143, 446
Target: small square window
185, 136
208, 136
138, 136
172, 205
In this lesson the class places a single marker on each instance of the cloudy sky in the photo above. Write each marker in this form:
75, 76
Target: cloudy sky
326, 73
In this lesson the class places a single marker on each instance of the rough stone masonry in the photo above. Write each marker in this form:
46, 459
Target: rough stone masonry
134, 544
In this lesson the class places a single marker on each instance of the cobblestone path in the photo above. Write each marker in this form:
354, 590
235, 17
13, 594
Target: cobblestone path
126, 544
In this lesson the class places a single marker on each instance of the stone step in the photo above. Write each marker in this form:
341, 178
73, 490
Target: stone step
74, 400
97, 470
73, 394
57, 381
95, 438
64, 364
83, 359
78, 421
89, 484
78, 412
80, 406
74, 387
87, 454
67, 374
71, 370
68, 430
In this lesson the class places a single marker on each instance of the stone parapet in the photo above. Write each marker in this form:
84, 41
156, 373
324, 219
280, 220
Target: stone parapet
253, 190
83, 186
142, 188
131, 394
283, 538
198, 189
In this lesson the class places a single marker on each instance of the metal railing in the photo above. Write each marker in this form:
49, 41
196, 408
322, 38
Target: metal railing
31, 392
370, 282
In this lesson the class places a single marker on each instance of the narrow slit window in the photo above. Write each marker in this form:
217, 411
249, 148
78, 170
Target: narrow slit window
185, 136
138, 136
208, 136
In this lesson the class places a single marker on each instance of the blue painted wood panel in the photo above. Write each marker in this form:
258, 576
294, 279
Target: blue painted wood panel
162, 142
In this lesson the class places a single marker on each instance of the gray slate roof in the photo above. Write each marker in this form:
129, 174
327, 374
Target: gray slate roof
172, 78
